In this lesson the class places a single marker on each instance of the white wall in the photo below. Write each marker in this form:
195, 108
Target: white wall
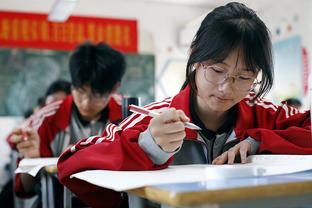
6, 126
298, 14
289, 12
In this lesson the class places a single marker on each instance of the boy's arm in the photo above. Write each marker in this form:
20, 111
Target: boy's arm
35, 146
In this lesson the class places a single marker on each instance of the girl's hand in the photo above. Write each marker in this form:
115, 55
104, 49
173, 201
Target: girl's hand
228, 157
168, 129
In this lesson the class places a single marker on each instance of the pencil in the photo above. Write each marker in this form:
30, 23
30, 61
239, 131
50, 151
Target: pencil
140, 110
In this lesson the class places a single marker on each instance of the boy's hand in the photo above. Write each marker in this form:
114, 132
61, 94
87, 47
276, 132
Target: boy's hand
27, 142
168, 129
228, 157
17, 136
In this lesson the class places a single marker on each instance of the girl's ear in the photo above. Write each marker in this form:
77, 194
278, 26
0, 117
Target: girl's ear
195, 66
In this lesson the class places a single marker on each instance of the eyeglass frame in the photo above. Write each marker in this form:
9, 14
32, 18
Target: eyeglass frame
97, 97
206, 67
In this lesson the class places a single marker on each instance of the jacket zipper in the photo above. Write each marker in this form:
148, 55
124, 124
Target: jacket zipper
209, 152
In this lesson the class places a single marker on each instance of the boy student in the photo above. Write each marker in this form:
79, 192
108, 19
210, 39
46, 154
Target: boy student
230, 58
58, 90
96, 72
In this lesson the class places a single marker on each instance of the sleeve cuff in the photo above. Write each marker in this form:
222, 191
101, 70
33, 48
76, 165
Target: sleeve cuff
155, 153
254, 145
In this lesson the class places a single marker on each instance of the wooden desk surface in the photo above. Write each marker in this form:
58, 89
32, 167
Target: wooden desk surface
51, 169
232, 190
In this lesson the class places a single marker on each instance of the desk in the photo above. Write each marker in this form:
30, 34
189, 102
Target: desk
270, 191
47, 168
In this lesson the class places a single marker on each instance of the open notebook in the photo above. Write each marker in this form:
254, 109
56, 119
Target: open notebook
33, 165
257, 166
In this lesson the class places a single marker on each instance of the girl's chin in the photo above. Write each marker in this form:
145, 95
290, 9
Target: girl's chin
219, 100
216, 104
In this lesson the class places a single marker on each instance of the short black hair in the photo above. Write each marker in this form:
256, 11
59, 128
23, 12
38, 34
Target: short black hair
293, 101
57, 86
227, 28
98, 65
28, 113
41, 101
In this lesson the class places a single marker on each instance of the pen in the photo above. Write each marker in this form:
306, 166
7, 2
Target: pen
25, 136
140, 110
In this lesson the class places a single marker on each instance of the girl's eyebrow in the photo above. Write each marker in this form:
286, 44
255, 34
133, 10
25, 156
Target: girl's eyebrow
227, 65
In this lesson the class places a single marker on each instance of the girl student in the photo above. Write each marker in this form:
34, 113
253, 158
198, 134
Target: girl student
228, 71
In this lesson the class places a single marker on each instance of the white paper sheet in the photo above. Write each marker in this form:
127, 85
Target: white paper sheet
125, 180
279, 159
32, 166
262, 165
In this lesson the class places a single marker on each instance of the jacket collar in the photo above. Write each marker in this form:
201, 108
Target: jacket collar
62, 117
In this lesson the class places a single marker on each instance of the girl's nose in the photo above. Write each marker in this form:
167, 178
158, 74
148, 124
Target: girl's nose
227, 84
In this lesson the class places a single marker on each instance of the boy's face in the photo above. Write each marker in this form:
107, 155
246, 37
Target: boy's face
90, 105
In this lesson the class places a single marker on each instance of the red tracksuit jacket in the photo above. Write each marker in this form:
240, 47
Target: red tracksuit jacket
55, 117
280, 129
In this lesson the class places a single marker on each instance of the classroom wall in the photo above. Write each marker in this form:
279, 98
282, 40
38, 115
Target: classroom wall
6, 126
296, 15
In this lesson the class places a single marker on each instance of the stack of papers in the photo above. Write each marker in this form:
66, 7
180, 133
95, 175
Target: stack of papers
32, 166
257, 166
